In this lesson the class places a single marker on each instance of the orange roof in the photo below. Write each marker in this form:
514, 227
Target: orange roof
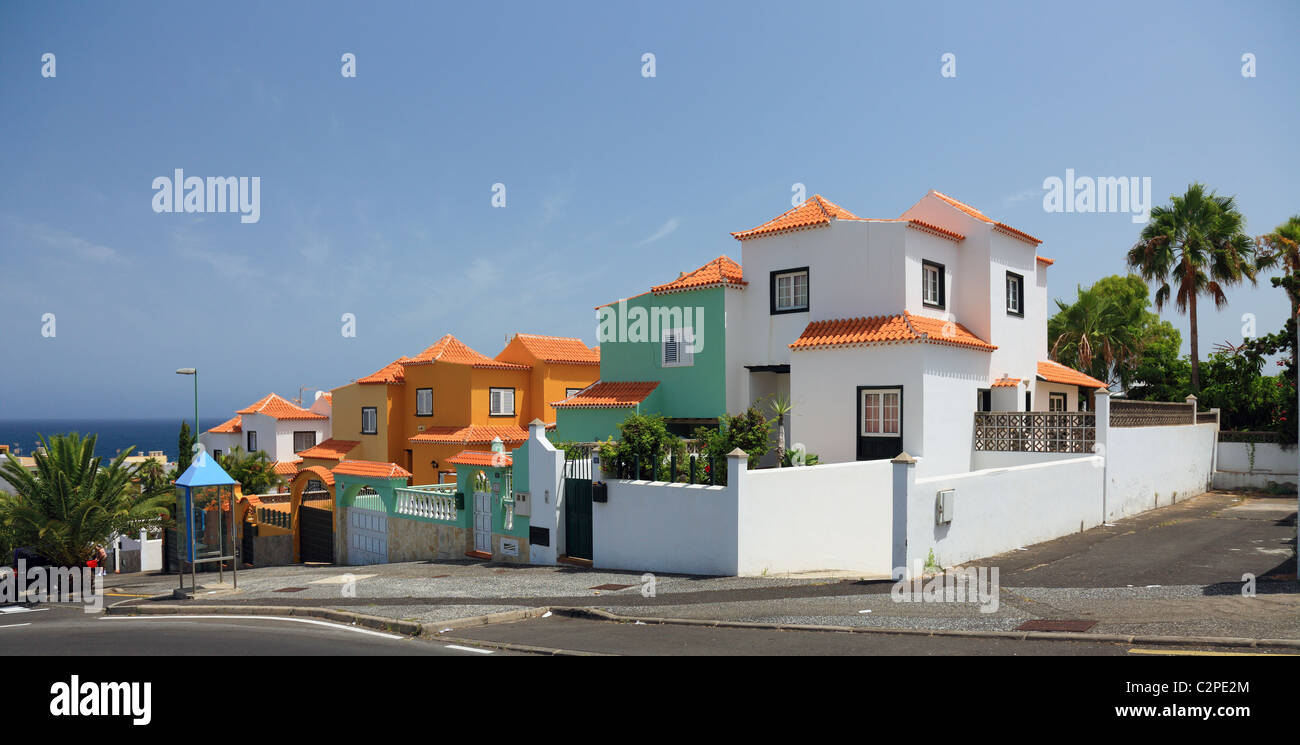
813, 213
1055, 372
452, 350
926, 227
278, 407
904, 327
287, 467
371, 468
562, 349
985, 218
230, 426
330, 449
608, 395
721, 272
319, 472
1044, 260
1006, 383
473, 434
390, 374
480, 458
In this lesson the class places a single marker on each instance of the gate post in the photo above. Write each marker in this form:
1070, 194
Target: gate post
904, 467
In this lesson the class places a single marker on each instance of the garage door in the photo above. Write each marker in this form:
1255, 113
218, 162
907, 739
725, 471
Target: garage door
367, 537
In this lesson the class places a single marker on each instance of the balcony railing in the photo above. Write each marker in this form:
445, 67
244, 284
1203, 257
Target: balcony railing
428, 502
1036, 431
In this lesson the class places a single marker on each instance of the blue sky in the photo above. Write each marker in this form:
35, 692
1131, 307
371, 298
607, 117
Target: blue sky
376, 190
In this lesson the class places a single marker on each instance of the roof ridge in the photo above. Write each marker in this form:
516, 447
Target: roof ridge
907, 319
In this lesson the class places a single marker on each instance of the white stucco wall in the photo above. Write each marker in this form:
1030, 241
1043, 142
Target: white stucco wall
1151, 467
1002, 509
545, 467
1270, 457
831, 517
214, 441
658, 527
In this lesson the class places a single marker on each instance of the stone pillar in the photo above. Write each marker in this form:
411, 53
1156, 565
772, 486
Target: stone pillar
904, 467
1101, 406
1192, 400
737, 466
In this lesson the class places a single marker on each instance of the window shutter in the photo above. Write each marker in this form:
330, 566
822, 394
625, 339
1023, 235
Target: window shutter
509, 403
670, 347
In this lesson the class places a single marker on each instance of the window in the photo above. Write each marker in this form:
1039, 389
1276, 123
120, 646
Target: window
424, 402
303, 440
252, 441
1056, 402
790, 291
369, 420
676, 348
216, 453
984, 399
501, 402
1015, 294
571, 392
1029, 406
932, 284
881, 412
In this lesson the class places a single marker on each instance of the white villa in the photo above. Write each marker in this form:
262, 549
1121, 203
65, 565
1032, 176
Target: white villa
887, 334
276, 425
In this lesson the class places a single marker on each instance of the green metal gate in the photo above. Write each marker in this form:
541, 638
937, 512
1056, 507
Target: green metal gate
577, 505
315, 535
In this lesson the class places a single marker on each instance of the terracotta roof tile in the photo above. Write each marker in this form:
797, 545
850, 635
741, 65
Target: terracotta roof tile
480, 458
608, 395
472, 435
985, 218
317, 472
287, 467
330, 449
278, 407
1055, 372
814, 212
1044, 260
449, 349
371, 468
926, 227
560, 349
904, 327
391, 374
230, 426
721, 272
1006, 383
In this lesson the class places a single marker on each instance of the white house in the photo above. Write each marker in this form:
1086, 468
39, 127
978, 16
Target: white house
275, 425
888, 334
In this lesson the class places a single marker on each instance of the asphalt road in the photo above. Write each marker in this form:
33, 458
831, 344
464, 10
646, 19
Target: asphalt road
68, 630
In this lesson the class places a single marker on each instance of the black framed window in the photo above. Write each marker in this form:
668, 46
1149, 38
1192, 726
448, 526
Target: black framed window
216, 453
984, 399
424, 402
881, 412
1015, 294
1056, 402
933, 284
303, 440
1029, 402
252, 441
501, 402
790, 291
369, 420
571, 392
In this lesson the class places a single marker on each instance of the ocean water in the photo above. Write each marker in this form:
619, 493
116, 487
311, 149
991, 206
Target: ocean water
114, 434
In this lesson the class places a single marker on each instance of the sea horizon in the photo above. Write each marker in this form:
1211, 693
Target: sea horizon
114, 434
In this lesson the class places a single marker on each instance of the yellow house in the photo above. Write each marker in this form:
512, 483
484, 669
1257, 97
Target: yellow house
420, 411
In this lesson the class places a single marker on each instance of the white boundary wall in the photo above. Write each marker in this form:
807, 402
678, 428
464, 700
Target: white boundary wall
1149, 467
1002, 509
661, 527
1273, 462
828, 517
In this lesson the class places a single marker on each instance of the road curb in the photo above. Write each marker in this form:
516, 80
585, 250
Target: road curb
1210, 641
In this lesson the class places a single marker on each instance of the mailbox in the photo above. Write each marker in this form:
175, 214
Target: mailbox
599, 491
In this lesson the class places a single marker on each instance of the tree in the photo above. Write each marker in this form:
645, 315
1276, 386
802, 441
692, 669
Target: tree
1106, 330
151, 476
186, 444
73, 501
1282, 248
255, 472
781, 406
1199, 243
750, 431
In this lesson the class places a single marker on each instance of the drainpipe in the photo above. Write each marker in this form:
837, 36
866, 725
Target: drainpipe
1101, 408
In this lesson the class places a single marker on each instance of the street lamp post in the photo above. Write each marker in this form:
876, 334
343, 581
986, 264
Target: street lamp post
189, 530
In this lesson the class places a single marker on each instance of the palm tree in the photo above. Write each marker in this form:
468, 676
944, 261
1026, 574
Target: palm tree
1282, 247
781, 406
152, 477
255, 472
1199, 243
73, 501
1094, 334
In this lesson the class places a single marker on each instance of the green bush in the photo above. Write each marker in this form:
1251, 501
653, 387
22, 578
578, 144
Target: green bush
750, 431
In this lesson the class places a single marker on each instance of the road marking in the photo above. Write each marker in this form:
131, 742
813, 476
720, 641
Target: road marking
1200, 653
469, 649
338, 626
14, 625
125, 595
20, 609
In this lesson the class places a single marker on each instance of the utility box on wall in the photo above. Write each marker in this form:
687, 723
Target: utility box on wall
943, 504
521, 504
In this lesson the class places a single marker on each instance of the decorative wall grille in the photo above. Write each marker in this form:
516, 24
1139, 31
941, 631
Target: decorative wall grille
1150, 413
1036, 431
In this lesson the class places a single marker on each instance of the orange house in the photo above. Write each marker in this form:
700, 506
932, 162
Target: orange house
420, 411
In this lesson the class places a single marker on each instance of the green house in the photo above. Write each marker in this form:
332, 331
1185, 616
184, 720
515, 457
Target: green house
662, 352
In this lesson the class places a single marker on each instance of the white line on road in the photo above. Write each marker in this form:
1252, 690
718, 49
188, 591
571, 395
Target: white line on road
341, 627
19, 609
14, 625
469, 649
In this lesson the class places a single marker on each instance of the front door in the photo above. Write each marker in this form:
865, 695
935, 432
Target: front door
880, 422
483, 521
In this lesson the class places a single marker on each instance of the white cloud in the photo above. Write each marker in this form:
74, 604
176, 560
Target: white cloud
668, 228
1021, 196
65, 245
